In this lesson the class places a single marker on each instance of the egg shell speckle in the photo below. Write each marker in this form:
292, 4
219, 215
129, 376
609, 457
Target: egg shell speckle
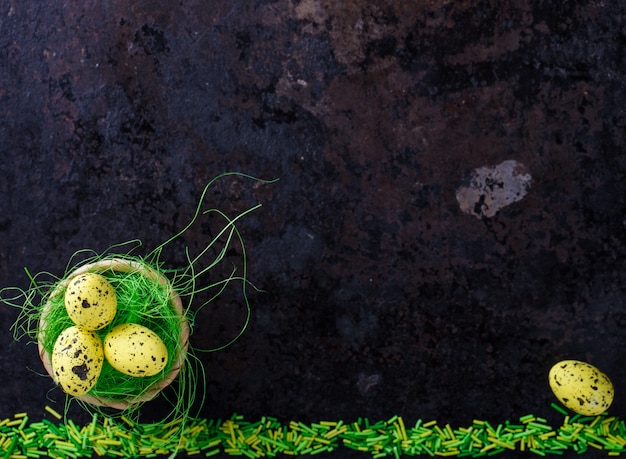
90, 301
135, 350
76, 360
581, 387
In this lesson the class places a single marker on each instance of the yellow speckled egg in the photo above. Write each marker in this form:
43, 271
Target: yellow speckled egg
77, 359
581, 387
135, 350
90, 301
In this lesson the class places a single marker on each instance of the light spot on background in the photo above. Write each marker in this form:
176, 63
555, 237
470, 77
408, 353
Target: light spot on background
492, 188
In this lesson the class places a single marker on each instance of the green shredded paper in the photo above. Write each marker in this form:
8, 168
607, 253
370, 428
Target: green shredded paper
269, 437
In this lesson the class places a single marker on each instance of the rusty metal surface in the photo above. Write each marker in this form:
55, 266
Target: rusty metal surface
381, 294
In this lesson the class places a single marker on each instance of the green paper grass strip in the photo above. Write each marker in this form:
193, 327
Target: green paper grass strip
268, 437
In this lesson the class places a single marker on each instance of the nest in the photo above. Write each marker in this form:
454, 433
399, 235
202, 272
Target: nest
145, 296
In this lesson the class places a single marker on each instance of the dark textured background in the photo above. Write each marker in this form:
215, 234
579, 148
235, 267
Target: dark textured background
381, 296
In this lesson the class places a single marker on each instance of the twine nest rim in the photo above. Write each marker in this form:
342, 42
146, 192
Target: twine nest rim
123, 265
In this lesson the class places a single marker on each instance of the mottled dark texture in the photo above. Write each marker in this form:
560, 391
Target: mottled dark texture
381, 296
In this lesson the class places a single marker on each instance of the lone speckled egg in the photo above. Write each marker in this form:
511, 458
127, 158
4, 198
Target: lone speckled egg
135, 350
90, 301
581, 387
77, 359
